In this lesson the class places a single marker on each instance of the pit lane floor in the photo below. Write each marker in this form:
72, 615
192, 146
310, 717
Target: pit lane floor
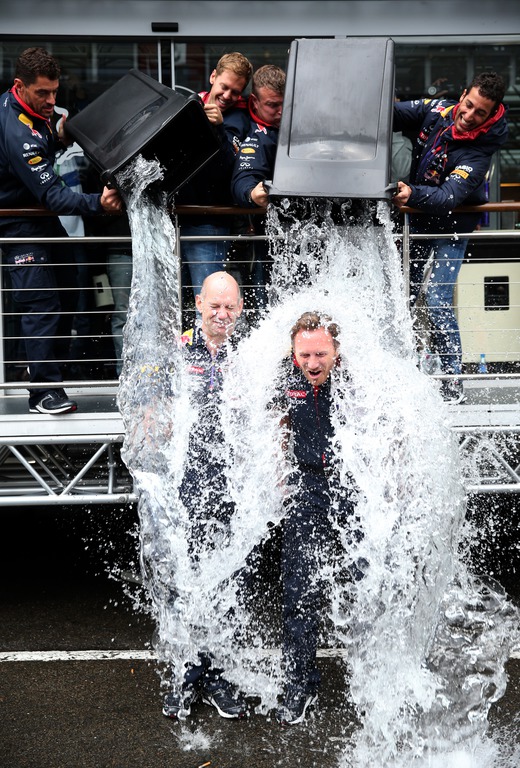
61, 708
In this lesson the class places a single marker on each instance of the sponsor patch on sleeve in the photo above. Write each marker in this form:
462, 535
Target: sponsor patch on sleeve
460, 172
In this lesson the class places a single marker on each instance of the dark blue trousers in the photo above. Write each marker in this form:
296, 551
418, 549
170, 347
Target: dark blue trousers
37, 272
309, 541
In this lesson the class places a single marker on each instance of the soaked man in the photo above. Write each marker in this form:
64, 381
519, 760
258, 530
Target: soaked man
308, 537
204, 487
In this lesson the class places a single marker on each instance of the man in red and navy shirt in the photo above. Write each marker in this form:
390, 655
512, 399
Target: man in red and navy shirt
204, 489
255, 162
27, 178
453, 148
227, 111
309, 538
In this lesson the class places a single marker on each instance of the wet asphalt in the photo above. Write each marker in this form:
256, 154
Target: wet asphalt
59, 594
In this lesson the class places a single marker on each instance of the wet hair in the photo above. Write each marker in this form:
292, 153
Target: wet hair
269, 76
236, 63
36, 62
490, 85
311, 321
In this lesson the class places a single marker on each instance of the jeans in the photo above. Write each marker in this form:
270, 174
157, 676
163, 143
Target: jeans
203, 257
446, 263
119, 270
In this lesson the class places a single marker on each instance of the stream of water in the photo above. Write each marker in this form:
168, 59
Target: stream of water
427, 641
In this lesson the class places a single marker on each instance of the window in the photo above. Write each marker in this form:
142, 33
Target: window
496, 293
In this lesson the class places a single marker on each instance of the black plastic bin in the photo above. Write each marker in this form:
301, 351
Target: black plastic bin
140, 116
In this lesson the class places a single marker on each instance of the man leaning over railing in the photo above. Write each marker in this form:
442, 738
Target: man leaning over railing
27, 178
451, 157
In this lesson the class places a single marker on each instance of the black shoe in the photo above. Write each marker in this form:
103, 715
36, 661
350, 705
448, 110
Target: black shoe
178, 706
225, 702
54, 402
294, 708
452, 391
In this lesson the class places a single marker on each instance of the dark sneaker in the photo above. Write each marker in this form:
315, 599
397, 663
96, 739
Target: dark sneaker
293, 709
452, 391
225, 702
54, 402
178, 706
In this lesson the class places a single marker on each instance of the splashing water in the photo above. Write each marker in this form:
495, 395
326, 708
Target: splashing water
426, 641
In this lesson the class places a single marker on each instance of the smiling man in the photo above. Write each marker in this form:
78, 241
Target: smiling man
454, 144
220, 305
317, 504
204, 490
227, 111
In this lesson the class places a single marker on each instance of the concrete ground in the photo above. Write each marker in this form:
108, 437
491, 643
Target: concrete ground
95, 712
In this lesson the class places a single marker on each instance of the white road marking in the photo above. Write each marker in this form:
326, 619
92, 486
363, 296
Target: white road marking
135, 655
132, 655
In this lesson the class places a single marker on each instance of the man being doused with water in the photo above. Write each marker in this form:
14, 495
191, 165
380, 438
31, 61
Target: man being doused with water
204, 490
318, 504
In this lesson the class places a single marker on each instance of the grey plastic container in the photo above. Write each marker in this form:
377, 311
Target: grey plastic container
336, 131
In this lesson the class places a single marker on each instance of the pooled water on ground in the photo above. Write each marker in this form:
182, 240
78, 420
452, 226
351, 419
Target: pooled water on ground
426, 640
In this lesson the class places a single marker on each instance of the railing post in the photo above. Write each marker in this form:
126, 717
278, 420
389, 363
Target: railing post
406, 255
179, 266
3, 377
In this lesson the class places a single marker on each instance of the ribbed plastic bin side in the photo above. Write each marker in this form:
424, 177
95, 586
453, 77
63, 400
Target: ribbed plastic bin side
336, 129
138, 115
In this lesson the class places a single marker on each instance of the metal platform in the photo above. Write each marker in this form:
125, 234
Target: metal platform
75, 458
488, 424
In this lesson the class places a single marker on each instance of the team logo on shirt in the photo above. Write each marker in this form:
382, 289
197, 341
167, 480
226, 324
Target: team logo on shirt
248, 151
29, 123
26, 258
35, 160
298, 394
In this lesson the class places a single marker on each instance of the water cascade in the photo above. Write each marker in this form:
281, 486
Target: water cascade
426, 641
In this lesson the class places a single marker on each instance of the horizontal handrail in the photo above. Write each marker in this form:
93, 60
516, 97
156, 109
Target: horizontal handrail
405, 235
231, 210
483, 208
181, 210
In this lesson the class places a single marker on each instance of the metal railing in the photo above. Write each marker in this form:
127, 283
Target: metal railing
53, 460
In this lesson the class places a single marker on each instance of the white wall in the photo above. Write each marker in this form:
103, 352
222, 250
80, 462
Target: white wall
268, 18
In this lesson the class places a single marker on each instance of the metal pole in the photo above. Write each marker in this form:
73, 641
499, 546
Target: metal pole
406, 255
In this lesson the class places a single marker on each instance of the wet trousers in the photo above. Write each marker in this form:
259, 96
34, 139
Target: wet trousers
310, 543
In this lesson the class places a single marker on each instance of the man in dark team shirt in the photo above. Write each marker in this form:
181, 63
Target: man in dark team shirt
308, 537
451, 157
255, 161
27, 178
204, 490
227, 111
